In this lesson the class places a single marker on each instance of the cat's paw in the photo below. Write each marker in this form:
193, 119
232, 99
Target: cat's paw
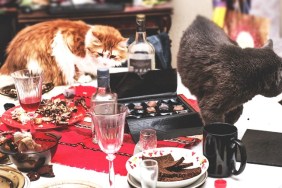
84, 79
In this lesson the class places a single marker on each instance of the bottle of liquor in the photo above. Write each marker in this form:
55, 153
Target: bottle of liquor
103, 93
141, 53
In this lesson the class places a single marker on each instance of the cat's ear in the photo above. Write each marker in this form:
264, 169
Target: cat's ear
268, 44
96, 41
122, 45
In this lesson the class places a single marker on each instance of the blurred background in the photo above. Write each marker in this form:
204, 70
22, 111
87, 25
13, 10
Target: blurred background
170, 16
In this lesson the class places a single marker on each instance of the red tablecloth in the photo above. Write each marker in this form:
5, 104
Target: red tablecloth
77, 150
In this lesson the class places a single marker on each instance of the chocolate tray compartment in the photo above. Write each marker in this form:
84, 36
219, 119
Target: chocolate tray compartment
168, 123
160, 86
157, 107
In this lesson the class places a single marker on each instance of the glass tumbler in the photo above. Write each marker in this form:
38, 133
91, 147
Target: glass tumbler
148, 139
149, 173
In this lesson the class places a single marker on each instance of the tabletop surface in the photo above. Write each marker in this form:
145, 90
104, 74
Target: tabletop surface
260, 113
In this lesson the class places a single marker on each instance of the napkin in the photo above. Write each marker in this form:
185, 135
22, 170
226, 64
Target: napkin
263, 147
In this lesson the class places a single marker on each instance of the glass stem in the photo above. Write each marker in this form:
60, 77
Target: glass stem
32, 128
32, 117
111, 158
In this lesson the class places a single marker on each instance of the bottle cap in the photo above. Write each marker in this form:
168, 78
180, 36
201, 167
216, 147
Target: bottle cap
103, 72
220, 183
140, 16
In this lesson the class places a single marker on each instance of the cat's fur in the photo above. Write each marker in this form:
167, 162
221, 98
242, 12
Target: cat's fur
65, 51
222, 75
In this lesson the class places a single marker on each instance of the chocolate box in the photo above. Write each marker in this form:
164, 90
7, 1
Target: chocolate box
153, 103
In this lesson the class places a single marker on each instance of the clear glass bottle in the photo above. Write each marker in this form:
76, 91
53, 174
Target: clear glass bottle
141, 53
103, 93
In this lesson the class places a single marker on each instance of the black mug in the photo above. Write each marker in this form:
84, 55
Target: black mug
220, 144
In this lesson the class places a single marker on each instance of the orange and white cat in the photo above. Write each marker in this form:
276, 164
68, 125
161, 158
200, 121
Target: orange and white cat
65, 51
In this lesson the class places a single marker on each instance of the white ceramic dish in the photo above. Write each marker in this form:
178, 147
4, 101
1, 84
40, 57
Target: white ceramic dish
71, 184
26, 182
11, 177
136, 184
132, 164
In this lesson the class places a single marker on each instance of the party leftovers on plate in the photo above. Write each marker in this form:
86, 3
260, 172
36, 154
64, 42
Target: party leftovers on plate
56, 111
11, 91
22, 142
174, 170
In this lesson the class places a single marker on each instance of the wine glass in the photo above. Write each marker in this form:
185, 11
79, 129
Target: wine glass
109, 120
29, 89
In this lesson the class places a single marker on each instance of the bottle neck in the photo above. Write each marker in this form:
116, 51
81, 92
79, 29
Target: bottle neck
103, 85
140, 31
140, 37
140, 26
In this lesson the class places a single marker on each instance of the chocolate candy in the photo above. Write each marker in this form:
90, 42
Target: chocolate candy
161, 107
33, 176
178, 107
151, 109
152, 103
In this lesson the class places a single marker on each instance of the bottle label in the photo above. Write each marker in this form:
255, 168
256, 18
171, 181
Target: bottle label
101, 90
140, 66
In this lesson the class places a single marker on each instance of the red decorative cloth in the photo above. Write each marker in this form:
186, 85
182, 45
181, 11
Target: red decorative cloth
76, 148
81, 91
79, 151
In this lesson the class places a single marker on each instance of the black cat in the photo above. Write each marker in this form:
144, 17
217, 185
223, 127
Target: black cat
222, 75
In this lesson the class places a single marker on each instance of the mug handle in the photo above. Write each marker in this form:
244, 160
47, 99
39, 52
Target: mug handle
243, 155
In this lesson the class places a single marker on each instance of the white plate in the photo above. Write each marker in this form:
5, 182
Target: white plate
136, 184
71, 184
14, 176
132, 164
26, 182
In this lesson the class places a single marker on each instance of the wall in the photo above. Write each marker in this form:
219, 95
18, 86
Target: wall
280, 18
184, 12
269, 10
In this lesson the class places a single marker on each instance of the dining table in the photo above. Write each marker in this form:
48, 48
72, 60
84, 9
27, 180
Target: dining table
78, 159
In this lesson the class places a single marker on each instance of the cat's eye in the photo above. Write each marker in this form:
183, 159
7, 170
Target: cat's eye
112, 56
100, 54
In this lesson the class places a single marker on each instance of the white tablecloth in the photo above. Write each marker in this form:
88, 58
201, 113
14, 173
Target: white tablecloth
260, 113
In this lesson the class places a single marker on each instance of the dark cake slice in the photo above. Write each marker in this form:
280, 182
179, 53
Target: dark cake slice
172, 164
180, 167
166, 175
171, 170
160, 158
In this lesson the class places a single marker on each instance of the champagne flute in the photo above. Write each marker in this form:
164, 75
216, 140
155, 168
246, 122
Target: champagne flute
109, 121
29, 90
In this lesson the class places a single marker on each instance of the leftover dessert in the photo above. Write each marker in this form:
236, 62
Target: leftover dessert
2, 155
56, 111
12, 92
44, 171
174, 170
23, 142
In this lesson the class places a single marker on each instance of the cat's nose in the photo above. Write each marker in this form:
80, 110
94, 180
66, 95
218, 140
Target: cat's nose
105, 64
